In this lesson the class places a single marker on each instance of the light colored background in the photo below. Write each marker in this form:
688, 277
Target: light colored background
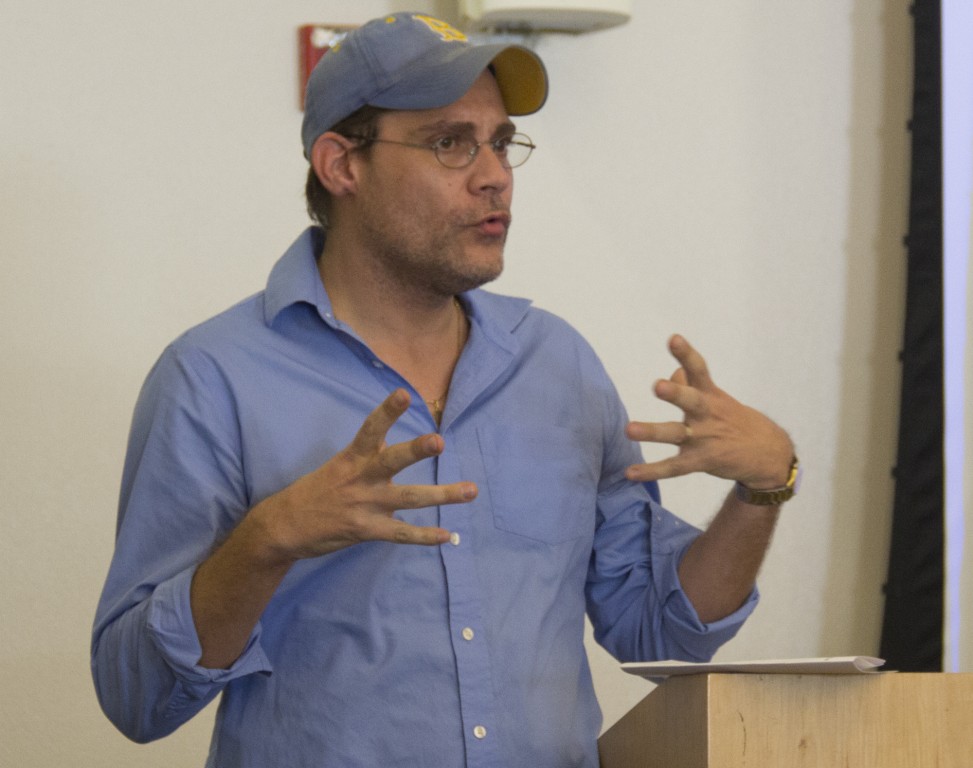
733, 171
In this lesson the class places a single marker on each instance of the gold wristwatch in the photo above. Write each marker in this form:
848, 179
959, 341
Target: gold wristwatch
772, 496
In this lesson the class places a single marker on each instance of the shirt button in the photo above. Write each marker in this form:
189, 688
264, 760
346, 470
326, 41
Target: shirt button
377, 363
467, 634
454, 539
480, 732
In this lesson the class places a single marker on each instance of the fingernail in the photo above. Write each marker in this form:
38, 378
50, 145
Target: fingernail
469, 491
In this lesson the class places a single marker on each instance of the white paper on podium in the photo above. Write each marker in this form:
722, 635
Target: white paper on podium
831, 665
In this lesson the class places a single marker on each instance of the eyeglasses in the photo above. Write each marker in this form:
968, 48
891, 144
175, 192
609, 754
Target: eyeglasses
460, 152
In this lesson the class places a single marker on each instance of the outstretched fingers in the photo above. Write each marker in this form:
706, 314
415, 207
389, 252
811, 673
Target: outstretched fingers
669, 432
390, 460
693, 365
378, 463
419, 496
403, 533
382, 461
370, 438
389, 528
674, 466
690, 386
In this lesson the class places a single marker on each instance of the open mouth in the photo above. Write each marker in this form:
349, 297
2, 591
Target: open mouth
494, 225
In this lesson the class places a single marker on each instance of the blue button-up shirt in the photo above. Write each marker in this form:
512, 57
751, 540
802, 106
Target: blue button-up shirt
470, 653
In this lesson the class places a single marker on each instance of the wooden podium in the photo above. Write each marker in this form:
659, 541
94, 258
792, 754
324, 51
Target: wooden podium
878, 720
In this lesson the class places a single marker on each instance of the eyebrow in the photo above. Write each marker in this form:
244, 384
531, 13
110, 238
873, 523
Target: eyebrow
447, 126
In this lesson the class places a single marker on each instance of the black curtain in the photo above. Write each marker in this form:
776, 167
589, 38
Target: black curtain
912, 627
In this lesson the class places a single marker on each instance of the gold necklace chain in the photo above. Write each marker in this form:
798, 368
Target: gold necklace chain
438, 404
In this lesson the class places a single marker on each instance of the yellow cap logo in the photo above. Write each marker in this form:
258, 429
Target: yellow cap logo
447, 32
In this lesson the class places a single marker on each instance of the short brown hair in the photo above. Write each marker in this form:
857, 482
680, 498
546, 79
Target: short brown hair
362, 125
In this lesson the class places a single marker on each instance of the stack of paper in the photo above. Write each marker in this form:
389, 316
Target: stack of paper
831, 665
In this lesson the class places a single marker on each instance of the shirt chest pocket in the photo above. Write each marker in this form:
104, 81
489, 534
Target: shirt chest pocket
541, 488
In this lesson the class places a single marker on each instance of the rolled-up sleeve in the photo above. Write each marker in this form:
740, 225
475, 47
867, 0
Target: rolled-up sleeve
182, 492
635, 601
145, 669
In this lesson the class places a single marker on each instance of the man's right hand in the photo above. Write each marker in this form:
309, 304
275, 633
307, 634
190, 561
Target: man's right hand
351, 498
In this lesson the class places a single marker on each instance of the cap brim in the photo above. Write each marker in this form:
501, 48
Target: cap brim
426, 84
522, 79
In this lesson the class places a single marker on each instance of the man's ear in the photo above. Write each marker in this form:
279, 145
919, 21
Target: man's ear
331, 160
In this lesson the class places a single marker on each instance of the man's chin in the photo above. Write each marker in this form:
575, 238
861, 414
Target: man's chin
481, 266
474, 279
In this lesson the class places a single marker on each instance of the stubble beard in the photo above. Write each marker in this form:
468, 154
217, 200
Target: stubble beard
439, 266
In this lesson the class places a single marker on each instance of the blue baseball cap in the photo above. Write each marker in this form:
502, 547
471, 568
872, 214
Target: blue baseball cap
413, 61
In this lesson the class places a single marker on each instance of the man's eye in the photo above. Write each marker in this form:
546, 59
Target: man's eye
446, 144
500, 145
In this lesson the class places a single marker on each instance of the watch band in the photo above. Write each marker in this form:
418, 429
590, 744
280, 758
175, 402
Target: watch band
772, 496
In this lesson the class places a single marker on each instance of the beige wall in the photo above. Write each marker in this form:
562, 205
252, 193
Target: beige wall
733, 171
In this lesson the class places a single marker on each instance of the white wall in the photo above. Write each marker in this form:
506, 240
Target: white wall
733, 171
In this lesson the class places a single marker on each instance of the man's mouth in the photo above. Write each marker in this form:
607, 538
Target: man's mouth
494, 224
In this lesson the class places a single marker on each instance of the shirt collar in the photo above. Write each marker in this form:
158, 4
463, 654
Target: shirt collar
295, 278
497, 315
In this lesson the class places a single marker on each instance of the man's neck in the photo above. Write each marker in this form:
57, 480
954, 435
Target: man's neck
376, 304
417, 333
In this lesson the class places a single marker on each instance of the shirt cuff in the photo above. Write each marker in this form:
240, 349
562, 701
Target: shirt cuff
684, 625
173, 632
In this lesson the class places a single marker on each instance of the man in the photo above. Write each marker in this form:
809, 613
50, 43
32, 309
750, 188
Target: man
371, 504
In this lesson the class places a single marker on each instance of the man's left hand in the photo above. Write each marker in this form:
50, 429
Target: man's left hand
718, 435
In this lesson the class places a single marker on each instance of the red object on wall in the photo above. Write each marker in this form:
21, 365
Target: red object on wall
314, 40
